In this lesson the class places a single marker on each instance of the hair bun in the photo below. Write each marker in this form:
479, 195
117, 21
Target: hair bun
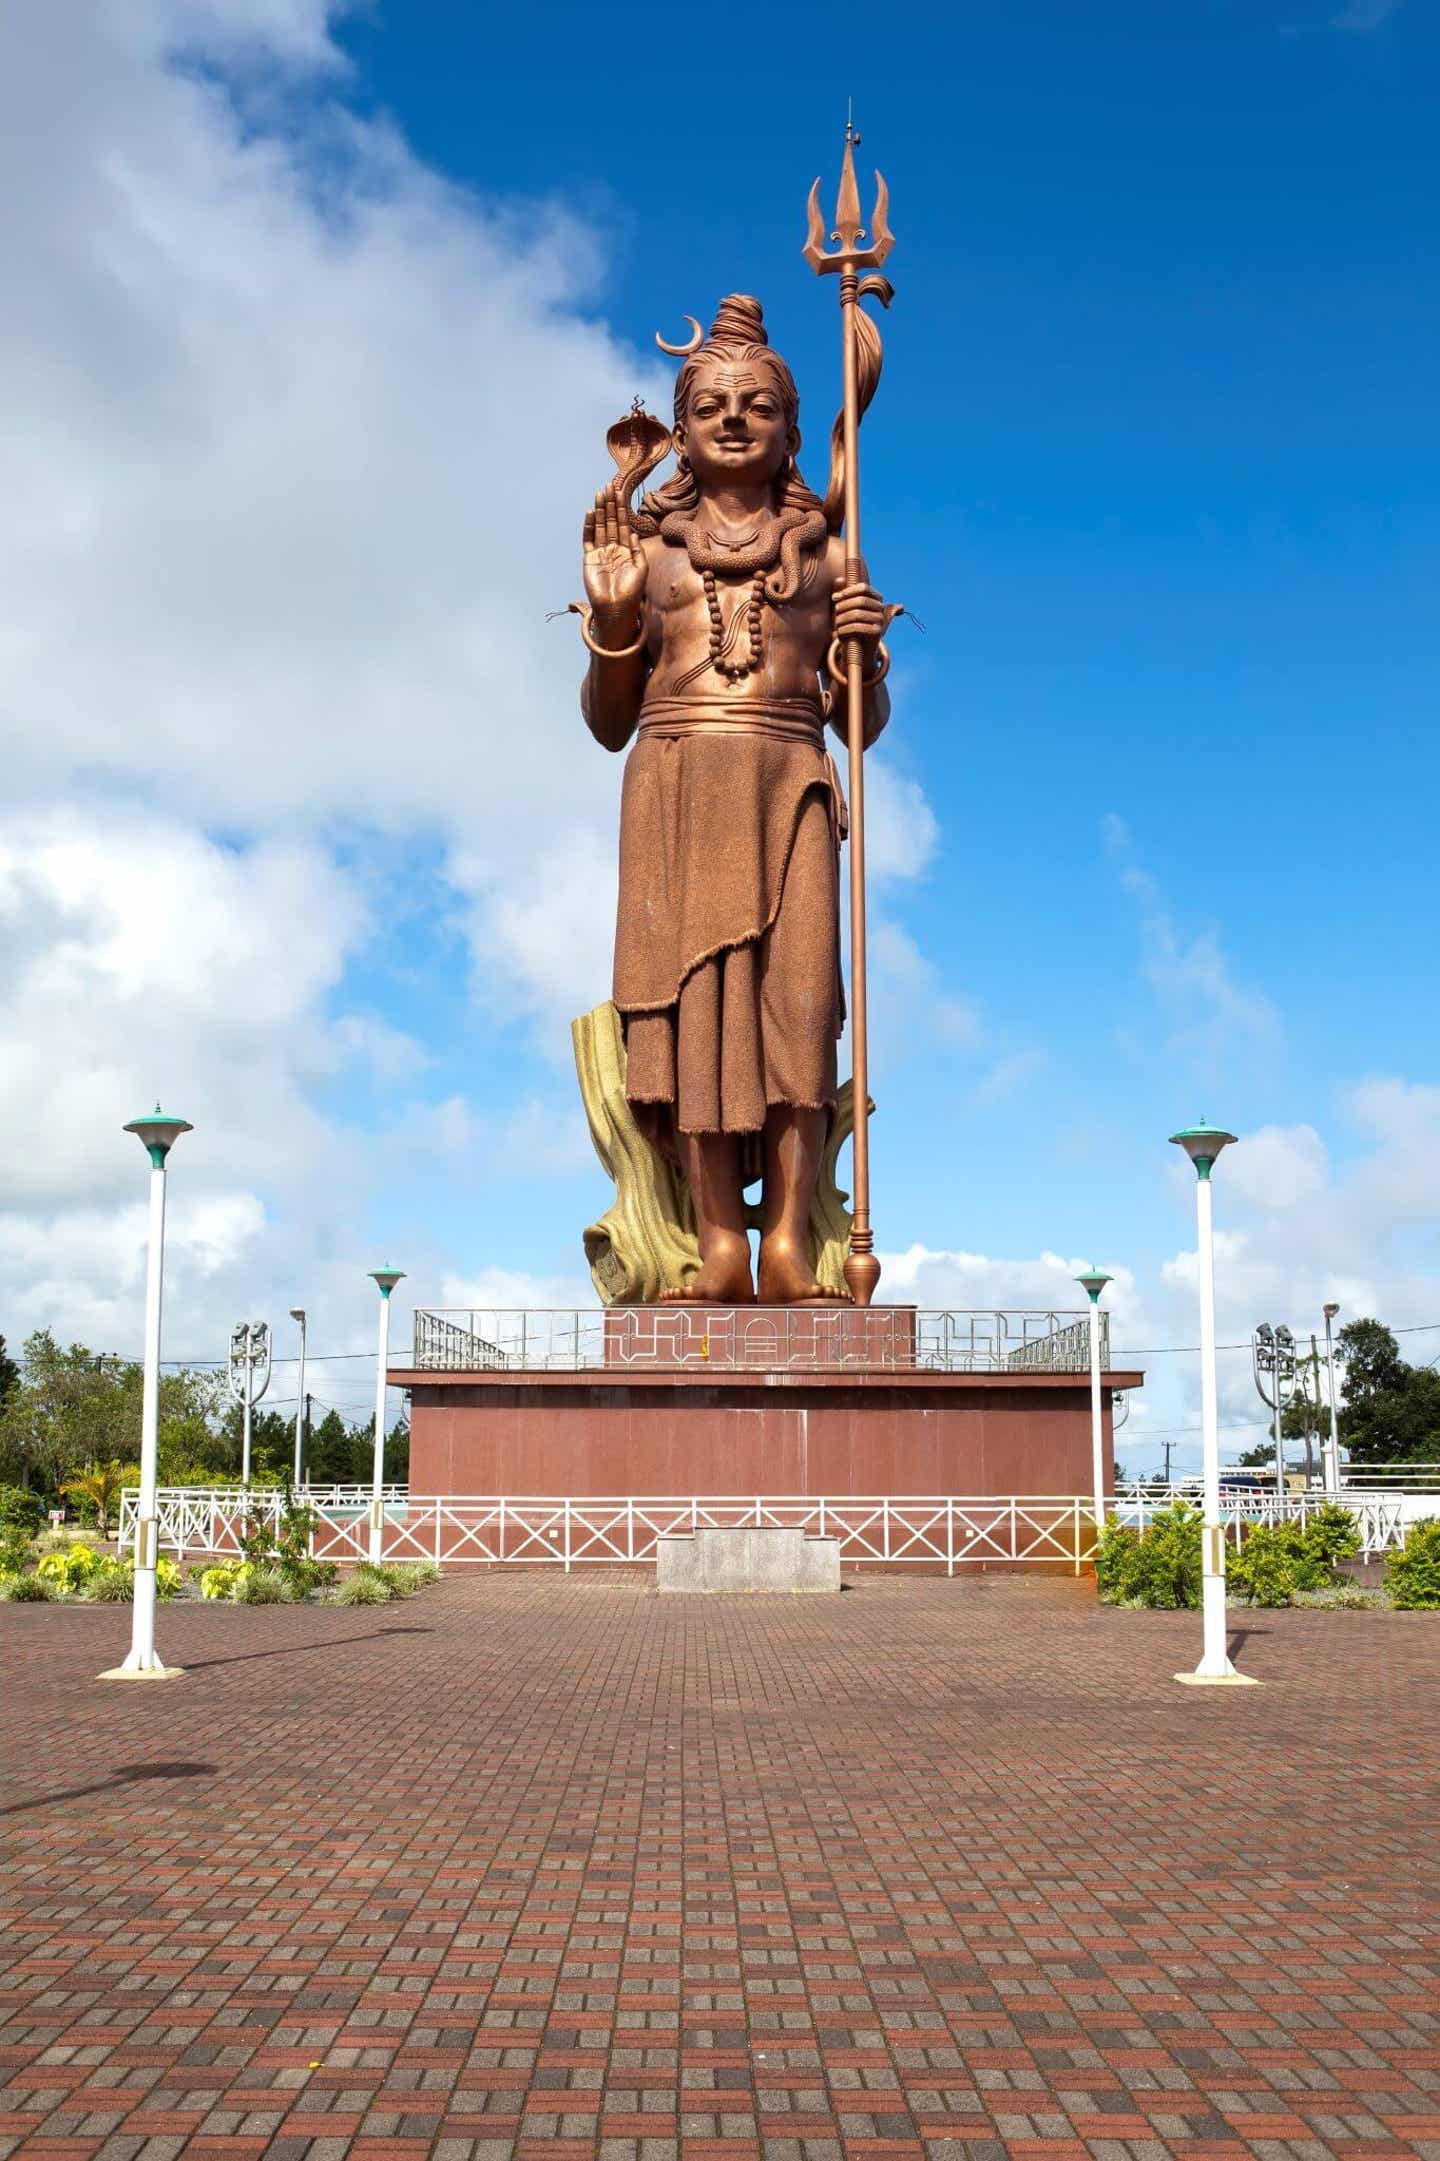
739, 320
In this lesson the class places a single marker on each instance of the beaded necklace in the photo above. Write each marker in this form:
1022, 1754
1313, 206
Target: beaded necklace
736, 668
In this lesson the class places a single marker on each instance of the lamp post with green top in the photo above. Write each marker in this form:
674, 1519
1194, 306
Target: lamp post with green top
1203, 1144
386, 1280
1093, 1283
158, 1132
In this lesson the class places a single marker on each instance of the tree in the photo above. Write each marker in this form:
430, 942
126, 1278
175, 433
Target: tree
70, 1410
1390, 1410
1373, 1365
328, 1457
9, 1374
101, 1488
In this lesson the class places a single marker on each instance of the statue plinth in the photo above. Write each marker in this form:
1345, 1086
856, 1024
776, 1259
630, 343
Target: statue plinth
643, 1433
761, 1339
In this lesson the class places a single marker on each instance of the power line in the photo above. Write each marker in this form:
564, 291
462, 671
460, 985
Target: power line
333, 1358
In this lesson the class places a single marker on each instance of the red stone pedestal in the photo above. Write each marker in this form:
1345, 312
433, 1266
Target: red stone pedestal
698, 1431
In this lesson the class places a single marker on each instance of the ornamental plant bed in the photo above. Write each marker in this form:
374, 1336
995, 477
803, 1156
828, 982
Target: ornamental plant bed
1285, 1564
274, 1567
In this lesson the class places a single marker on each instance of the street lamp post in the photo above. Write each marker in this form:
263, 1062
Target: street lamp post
158, 1134
386, 1279
1203, 1144
297, 1313
1093, 1283
1332, 1478
249, 1354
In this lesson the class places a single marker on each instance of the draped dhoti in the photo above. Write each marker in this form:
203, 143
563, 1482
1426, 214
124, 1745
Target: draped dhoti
727, 957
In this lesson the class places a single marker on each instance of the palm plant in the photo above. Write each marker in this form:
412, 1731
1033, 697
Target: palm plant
101, 1485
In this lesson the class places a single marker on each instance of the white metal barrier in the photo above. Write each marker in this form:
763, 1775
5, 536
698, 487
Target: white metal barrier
1382, 1518
460, 1530
946, 1530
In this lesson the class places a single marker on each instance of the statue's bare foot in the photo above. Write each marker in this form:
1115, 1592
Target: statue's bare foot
787, 1279
724, 1279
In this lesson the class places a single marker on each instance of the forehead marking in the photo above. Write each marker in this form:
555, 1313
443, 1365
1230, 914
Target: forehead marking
732, 379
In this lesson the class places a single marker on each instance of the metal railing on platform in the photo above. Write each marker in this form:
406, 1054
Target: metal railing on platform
755, 1339
946, 1530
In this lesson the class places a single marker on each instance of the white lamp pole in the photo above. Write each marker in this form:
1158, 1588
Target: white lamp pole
386, 1278
159, 1134
1093, 1283
297, 1313
1332, 1476
1203, 1144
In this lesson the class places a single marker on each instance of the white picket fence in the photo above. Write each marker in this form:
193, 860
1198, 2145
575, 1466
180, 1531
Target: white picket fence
945, 1531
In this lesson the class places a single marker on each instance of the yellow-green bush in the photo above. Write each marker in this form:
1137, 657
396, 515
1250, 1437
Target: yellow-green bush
1412, 1576
71, 1569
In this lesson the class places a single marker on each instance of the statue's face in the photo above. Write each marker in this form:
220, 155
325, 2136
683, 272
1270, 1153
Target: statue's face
735, 426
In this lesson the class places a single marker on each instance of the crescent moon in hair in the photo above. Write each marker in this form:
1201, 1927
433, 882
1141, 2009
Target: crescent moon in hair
692, 344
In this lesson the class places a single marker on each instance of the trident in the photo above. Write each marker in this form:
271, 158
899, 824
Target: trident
860, 351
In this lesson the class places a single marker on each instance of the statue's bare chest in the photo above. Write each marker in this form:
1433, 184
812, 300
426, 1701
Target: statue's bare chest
686, 607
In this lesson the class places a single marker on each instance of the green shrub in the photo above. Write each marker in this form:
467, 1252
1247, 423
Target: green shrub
1263, 1570
391, 1573
21, 1510
286, 1546
1332, 1534
262, 1587
367, 1587
414, 1575
110, 1583
169, 1581
25, 1590
1341, 1597
219, 1581
305, 1576
16, 1549
1412, 1576
1280, 1561
1159, 1567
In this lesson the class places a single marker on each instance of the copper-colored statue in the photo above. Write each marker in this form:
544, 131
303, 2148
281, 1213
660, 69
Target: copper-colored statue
720, 611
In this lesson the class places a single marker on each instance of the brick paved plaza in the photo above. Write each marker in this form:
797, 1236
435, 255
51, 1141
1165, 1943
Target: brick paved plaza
561, 1868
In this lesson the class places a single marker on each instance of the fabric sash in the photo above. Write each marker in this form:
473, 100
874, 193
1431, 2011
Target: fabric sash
778, 720
783, 720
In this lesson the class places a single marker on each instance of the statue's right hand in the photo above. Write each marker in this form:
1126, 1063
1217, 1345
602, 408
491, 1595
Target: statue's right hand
614, 563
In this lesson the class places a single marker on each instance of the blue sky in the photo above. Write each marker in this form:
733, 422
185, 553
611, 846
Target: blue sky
1155, 461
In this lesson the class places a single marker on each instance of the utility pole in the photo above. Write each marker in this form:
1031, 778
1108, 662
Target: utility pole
249, 1378
1273, 1357
1313, 1401
297, 1313
1332, 1481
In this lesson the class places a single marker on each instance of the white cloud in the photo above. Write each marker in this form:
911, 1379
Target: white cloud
510, 1290
909, 1003
901, 830
1365, 15
1008, 1076
1213, 1016
1278, 1166
143, 958
932, 1277
301, 437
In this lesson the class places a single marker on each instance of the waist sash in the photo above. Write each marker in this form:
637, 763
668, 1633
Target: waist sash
783, 720
779, 720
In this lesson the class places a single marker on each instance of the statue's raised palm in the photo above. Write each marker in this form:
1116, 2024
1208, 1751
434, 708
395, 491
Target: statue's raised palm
614, 560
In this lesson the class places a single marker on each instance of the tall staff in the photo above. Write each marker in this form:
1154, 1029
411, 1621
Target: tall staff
860, 357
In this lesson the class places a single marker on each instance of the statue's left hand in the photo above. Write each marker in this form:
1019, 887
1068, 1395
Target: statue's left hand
860, 613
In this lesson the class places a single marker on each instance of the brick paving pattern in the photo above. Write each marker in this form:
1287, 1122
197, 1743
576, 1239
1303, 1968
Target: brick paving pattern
555, 1869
